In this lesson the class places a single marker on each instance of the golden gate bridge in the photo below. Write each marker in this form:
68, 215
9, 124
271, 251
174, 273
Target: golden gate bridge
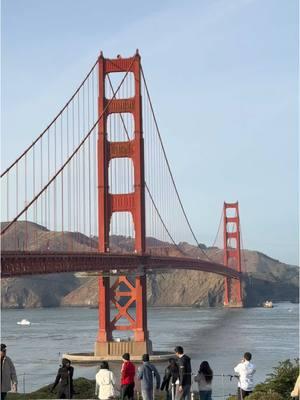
100, 169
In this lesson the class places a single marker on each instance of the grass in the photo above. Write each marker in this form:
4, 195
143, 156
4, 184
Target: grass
84, 389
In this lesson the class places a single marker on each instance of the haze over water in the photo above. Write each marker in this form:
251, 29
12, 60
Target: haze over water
218, 335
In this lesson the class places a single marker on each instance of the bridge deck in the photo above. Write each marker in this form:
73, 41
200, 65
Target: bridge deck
16, 263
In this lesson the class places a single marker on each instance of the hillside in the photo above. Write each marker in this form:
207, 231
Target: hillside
267, 278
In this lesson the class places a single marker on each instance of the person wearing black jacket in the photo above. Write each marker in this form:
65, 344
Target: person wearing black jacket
64, 380
170, 378
185, 374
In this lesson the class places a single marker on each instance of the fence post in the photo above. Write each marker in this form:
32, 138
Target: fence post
24, 383
223, 386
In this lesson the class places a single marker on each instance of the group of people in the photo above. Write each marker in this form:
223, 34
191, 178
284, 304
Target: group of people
176, 382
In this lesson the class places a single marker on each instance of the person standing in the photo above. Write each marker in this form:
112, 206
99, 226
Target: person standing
185, 372
204, 380
9, 379
146, 374
170, 378
127, 377
245, 371
64, 380
105, 382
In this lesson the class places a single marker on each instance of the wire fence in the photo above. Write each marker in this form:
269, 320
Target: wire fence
28, 383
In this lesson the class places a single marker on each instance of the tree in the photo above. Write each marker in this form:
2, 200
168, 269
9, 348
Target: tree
282, 380
279, 384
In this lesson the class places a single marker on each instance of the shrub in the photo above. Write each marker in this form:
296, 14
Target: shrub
279, 383
265, 396
282, 380
84, 388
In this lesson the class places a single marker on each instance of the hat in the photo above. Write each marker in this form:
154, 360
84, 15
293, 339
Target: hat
3, 347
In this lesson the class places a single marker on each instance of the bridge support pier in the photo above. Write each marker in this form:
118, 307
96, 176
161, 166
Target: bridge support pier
128, 296
125, 292
232, 255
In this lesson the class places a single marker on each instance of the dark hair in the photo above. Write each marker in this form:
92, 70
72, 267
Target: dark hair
178, 349
145, 357
173, 366
206, 371
104, 365
65, 361
247, 356
126, 356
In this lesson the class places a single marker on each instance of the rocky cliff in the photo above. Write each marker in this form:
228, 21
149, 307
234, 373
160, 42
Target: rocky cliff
267, 278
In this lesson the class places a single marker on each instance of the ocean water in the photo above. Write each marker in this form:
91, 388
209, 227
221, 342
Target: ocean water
217, 335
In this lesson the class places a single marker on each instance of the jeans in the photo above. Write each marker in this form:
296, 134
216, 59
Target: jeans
185, 394
169, 392
3, 395
127, 391
241, 394
147, 394
205, 395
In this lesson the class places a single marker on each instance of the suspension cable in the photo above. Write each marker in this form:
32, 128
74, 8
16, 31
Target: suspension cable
70, 157
52, 122
219, 226
146, 186
169, 168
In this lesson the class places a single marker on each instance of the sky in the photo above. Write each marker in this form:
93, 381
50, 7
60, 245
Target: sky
223, 77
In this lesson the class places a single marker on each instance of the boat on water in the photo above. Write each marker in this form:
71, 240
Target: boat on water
268, 304
24, 322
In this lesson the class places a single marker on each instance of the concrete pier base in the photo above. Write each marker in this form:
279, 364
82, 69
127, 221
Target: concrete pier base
234, 305
114, 348
91, 358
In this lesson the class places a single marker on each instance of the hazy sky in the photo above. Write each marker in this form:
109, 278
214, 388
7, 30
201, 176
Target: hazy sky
223, 79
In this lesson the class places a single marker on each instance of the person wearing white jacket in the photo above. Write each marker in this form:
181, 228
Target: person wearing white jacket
105, 382
245, 371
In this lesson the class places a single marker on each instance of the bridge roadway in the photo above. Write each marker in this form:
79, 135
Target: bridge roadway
21, 263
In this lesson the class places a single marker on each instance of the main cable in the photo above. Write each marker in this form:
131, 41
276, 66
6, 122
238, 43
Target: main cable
170, 172
69, 158
52, 122
146, 186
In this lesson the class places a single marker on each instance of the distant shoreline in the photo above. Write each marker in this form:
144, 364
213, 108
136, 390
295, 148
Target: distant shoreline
149, 306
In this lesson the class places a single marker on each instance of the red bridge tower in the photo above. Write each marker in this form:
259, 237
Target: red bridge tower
232, 254
130, 202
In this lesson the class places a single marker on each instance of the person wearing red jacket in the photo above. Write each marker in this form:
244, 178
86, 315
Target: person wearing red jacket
127, 378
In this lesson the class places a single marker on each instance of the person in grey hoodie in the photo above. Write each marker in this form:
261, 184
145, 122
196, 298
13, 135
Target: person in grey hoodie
146, 374
8, 374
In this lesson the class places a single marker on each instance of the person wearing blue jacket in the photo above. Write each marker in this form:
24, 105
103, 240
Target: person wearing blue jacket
146, 374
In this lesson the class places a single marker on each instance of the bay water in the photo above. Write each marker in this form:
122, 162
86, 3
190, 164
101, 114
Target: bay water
217, 335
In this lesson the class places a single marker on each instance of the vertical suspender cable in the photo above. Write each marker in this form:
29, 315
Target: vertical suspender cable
89, 166
54, 183
26, 219
68, 177
62, 183
83, 163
